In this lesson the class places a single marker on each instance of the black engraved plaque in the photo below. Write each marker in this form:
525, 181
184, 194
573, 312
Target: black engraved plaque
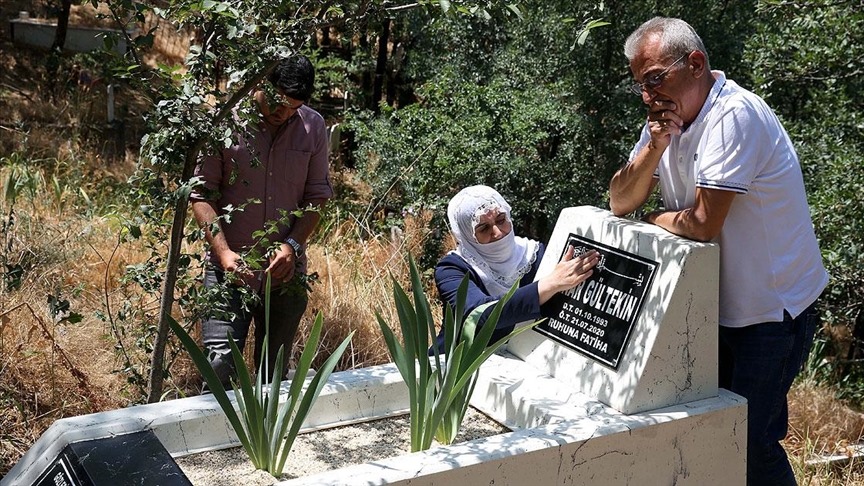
596, 317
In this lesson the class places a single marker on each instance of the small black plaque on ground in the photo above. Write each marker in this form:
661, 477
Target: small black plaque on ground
129, 459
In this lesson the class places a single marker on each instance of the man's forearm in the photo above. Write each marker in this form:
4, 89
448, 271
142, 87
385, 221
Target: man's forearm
633, 183
206, 216
701, 222
681, 223
304, 225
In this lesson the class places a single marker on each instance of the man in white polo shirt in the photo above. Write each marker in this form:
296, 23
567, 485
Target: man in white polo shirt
728, 173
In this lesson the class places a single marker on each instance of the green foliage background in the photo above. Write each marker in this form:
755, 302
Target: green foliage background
520, 104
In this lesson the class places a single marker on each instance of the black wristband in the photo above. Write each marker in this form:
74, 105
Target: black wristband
298, 248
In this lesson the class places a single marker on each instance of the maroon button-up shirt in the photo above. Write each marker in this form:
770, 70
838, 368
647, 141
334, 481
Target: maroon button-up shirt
291, 170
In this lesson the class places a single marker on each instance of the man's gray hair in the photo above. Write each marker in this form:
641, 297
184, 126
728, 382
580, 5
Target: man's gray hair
677, 38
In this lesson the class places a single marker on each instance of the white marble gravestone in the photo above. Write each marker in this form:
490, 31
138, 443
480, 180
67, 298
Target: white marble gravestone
670, 353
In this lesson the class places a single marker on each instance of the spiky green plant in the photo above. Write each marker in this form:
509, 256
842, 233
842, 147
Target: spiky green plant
439, 393
262, 423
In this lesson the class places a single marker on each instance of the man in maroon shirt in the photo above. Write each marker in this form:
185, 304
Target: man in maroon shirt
278, 167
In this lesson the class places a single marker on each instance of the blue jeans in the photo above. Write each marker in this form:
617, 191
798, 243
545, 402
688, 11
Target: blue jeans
760, 362
287, 305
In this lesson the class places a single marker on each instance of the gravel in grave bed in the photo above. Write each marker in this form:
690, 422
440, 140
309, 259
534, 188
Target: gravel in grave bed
324, 450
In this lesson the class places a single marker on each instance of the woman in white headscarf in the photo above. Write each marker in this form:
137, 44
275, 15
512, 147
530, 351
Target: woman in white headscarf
494, 258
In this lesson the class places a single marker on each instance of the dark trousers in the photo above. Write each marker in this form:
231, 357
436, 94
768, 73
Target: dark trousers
286, 310
760, 362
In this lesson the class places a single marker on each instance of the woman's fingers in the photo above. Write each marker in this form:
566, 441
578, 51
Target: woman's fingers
582, 277
571, 271
583, 267
586, 261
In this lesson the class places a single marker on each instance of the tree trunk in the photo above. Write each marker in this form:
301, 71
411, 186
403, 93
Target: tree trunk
380, 65
62, 25
157, 360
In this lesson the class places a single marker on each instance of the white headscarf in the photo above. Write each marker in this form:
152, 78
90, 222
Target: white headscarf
499, 263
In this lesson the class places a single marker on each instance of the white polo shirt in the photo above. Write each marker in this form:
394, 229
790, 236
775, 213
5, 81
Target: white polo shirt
769, 256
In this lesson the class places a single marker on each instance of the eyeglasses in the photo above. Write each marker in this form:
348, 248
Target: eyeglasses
655, 80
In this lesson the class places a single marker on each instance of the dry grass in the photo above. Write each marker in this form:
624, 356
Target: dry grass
355, 284
65, 119
821, 426
821, 422
51, 369
39, 383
